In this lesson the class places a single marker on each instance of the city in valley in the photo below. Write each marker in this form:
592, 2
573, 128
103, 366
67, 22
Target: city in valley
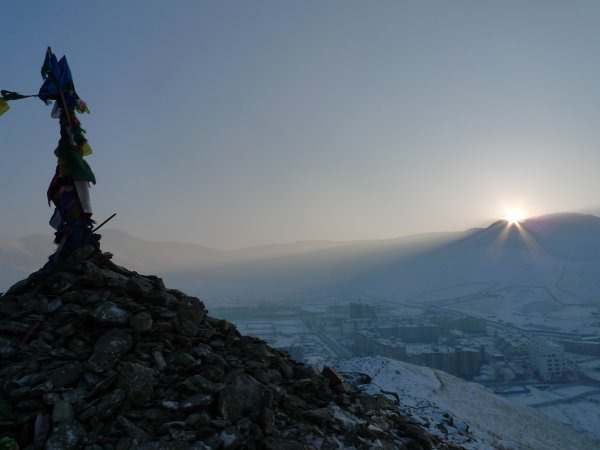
519, 342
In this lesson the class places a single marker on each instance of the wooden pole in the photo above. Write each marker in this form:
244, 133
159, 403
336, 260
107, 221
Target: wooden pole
103, 223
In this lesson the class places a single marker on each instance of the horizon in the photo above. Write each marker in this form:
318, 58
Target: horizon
232, 125
482, 226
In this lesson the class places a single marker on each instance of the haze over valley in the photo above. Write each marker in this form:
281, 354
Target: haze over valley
505, 290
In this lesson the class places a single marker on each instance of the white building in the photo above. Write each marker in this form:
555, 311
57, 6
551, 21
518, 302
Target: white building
549, 359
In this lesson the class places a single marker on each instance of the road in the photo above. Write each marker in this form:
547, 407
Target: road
335, 348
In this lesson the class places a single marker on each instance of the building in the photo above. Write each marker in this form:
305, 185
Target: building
412, 332
466, 324
548, 358
512, 344
369, 343
464, 362
582, 347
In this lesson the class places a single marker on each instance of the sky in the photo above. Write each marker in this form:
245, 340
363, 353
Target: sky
240, 123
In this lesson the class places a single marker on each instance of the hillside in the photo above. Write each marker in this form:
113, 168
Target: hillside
98, 357
470, 416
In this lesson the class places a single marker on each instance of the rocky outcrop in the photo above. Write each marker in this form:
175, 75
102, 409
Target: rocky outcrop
98, 357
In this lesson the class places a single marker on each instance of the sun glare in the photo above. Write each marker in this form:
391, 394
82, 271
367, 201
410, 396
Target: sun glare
514, 216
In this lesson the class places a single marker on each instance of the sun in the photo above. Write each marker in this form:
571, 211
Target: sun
514, 216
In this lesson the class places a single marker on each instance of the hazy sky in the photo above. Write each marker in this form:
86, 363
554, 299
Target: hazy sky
234, 123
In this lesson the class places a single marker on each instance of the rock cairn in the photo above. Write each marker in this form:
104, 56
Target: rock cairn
98, 357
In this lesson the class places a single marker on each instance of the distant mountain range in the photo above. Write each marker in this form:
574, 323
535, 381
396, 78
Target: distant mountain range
538, 249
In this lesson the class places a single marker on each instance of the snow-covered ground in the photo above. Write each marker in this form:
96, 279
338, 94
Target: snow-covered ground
577, 405
470, 415
527, 307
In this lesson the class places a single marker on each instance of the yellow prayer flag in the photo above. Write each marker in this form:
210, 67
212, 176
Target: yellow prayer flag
86, 150
3, 106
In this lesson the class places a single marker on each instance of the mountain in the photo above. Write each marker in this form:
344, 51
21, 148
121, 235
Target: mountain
573, 237
464, 413
548, 250
198, 267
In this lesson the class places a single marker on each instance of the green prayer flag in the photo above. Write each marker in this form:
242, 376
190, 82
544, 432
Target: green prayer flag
3, 106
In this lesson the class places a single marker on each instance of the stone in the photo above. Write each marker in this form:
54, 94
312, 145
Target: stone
334, 377
196, 402
103, 386
66, 436
267, 420
110, 313
141, 322
161, 298
8, 326
66, 375
231, 438
198, 383
62, 412
319, 415
159, 359
138, 286
114, 279
66, 331
109, 348
197, 419
82, 253
106, 406
190, 312
419, 435
272, 443
138, 381
241, 395
134, 433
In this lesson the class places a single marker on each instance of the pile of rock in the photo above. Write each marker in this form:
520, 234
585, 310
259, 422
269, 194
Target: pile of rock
98, 357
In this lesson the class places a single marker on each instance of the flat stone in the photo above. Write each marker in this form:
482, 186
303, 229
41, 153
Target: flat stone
333, 376
66, 436
109, 348
103, 386
161, 298
134, 432
141, 322
319, 416
62, 412
196, 402
159, 359
106, 406
138, 381
241, 395
8, 326
182, 359
272, 443
198, 383
66, 375
138, 286
114, 279
190, 312
110, 313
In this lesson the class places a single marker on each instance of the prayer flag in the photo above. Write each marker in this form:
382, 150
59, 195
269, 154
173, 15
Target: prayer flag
57, 76
3, 106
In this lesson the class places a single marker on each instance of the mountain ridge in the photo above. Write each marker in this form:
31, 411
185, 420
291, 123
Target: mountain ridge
388, 268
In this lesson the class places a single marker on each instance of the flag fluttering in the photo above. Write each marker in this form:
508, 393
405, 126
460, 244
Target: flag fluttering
58, 80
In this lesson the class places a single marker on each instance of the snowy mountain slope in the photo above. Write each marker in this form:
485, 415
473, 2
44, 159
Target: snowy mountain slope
469, 415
